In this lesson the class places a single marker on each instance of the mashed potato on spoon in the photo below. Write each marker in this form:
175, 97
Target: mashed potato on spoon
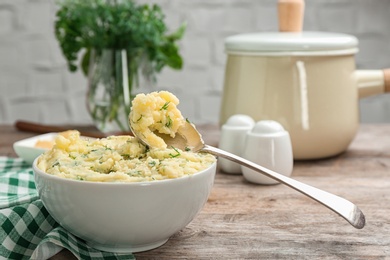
156, 111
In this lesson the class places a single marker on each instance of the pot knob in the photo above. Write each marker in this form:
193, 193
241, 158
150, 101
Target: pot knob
290, 14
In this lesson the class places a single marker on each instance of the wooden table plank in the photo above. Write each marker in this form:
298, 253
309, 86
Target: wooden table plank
247, 221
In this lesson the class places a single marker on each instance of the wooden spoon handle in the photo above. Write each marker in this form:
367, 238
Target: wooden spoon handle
290, 14
43, 129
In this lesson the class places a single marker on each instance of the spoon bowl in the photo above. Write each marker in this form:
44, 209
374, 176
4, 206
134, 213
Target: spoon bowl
189, 139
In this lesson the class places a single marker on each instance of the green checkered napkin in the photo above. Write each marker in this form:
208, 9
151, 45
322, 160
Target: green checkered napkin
27, 231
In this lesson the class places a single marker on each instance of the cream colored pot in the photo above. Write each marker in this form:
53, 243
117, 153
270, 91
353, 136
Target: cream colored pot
306, 81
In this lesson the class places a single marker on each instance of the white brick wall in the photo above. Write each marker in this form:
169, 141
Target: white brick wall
36, 85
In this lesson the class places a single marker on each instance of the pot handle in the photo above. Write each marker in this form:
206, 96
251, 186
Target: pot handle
372, 82
386, 75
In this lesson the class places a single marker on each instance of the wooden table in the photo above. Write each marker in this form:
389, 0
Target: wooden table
247, 221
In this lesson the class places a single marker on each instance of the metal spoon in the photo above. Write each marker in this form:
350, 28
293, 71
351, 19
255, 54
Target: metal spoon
188, 138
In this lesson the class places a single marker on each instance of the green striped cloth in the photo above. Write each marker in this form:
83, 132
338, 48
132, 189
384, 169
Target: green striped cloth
27, 231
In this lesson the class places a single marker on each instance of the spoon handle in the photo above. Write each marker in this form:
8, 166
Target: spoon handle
341, 206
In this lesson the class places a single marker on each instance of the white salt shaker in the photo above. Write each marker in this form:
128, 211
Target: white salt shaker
268, 145
232, 140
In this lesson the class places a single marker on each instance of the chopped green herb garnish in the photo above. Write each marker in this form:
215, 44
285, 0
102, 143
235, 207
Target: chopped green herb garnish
126, 156
175, 155
165, 106
107, 148
134, 173
169, 122
55, 164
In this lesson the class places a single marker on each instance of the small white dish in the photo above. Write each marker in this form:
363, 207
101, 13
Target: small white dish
27, 150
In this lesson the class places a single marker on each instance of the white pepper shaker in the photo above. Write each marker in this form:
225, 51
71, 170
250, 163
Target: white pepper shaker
269, 145
232, 140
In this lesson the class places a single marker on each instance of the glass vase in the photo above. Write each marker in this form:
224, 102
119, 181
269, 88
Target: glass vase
114, 78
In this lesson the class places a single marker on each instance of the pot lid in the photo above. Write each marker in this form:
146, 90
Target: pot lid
291, 42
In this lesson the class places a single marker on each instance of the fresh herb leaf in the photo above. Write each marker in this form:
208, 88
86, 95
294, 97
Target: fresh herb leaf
169, 122
119, 25
126, 156
176, 154
165, 106
79, 178
55, 164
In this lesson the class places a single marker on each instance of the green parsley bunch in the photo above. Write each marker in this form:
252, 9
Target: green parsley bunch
85, 25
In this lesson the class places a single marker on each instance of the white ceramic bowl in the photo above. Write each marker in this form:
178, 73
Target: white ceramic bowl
124, 217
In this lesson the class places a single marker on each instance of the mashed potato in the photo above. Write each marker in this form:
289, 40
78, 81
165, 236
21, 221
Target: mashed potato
124, 158
118, 159
156, 111
48, 144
